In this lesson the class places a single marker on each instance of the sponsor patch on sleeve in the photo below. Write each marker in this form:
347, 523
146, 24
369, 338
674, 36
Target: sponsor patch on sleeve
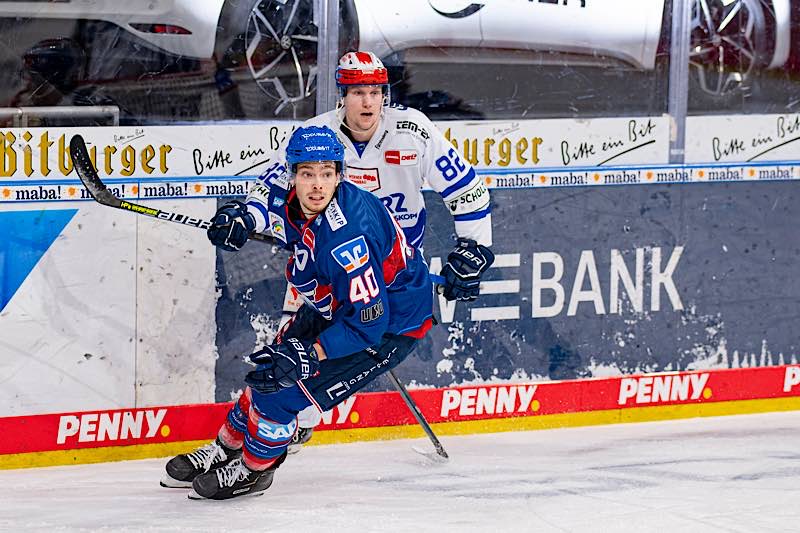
258, 191
334, 215
352, 255
474, 199
276, 227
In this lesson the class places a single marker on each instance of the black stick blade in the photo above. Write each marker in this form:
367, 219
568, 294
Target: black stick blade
88, 174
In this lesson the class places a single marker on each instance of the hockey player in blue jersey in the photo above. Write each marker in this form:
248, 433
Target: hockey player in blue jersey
368, 300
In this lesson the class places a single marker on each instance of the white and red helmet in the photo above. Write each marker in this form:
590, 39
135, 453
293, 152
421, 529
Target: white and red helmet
361, 68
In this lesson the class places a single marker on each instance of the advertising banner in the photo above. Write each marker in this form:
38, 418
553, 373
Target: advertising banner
104, 435
742, 138
555, 143
137, 162
151, 162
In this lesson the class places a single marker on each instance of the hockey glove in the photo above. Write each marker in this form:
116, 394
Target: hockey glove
231, 226
280, 366
465, 265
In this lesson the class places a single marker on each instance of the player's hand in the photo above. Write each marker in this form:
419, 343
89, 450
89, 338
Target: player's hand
465, 266
231, 226
280, 366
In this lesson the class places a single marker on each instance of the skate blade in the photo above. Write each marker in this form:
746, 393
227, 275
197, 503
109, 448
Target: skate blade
194, 496
431, 455
291, 450
170, 482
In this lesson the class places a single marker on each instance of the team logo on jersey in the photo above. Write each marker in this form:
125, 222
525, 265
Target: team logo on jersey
352, 255
365, 178
400, 157
276, 226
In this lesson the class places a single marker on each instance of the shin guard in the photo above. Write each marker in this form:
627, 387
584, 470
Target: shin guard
266, 440
234, 429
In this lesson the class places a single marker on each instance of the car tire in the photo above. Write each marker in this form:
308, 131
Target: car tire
730, 44
268, 50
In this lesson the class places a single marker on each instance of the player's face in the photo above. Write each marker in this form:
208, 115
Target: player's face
315, 184
362, 106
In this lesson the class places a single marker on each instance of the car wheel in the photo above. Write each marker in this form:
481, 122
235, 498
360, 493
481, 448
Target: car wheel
269, 47
730, 42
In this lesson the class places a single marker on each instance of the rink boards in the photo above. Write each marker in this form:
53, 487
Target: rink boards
609, 262
113, 435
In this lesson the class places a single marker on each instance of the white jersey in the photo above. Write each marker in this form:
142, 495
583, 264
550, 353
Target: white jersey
406, 152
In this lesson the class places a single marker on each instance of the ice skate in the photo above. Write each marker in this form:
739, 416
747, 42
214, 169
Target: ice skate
233, 480
182, 469
302, 436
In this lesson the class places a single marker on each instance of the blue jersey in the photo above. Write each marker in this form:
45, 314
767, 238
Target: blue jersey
351, 263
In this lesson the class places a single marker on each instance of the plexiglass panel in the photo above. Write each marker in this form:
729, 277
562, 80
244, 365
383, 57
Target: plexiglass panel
215, 60
744, 57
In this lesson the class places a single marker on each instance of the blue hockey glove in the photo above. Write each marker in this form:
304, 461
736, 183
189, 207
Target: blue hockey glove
231, 226
280, 366
465, 266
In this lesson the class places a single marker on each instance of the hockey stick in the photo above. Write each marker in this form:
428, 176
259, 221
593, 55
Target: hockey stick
412, 406
91, 180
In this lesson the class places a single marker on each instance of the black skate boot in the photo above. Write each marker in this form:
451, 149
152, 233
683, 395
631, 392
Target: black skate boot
182, 469
302, 436
233, 480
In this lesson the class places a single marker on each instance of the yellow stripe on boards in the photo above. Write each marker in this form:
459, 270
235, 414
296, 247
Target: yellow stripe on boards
588, 418
97, 455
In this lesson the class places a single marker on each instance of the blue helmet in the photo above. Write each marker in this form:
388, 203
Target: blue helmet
314, 143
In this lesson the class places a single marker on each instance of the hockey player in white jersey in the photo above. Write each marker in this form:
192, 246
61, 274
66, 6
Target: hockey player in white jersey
393, 151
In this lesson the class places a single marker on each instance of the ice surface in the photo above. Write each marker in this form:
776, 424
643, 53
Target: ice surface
739, 473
